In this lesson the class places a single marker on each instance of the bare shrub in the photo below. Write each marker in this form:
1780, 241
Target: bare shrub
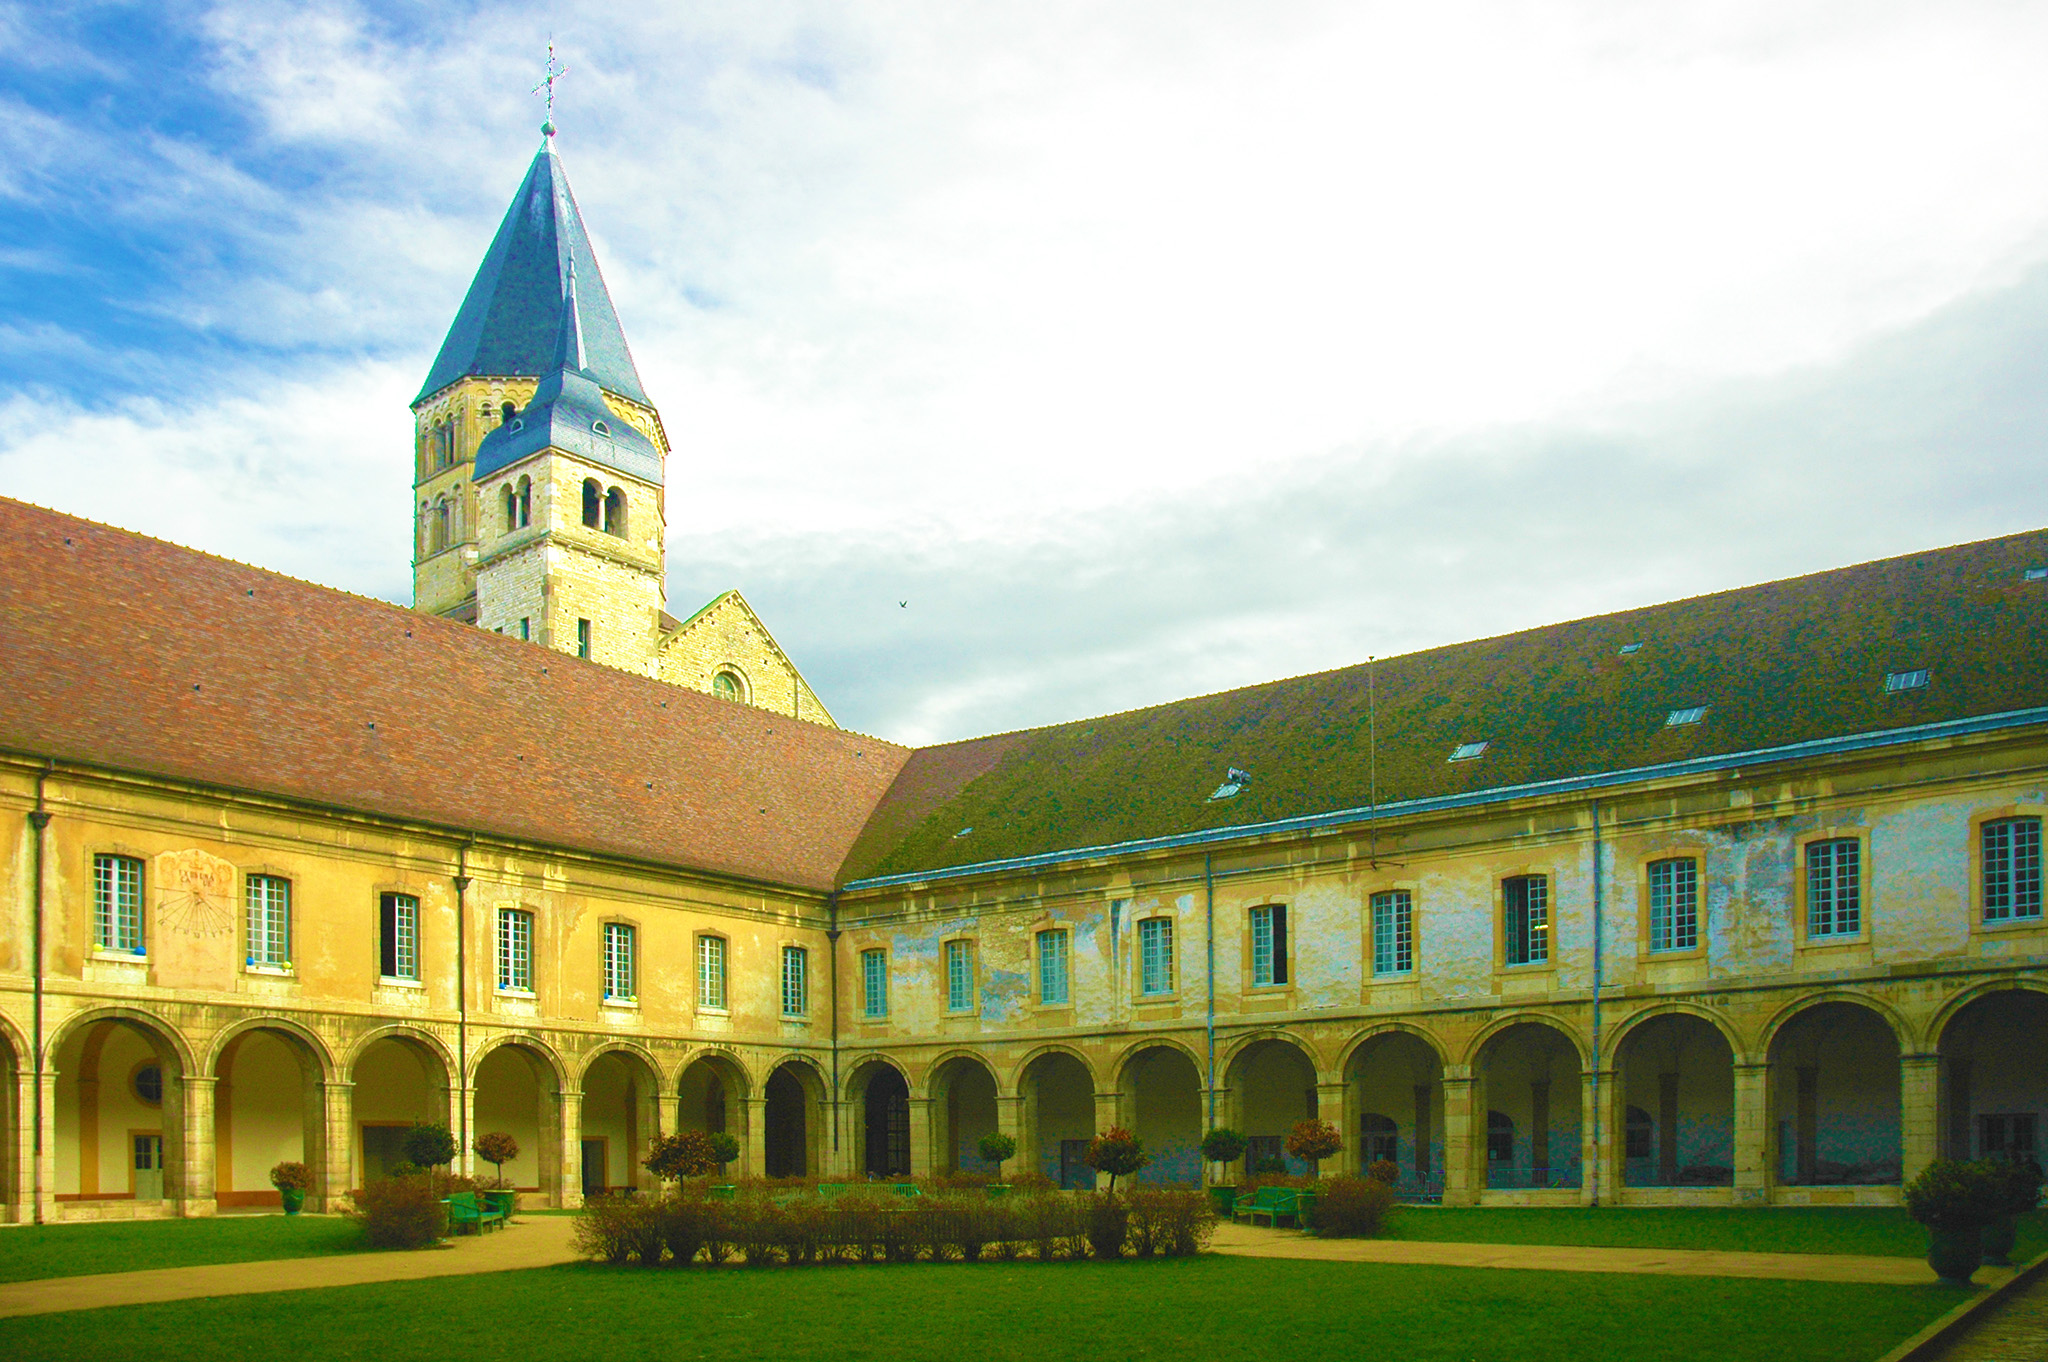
402, 1213
1352, 1208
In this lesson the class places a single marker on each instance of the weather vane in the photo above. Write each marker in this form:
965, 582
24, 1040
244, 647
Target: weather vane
555, 71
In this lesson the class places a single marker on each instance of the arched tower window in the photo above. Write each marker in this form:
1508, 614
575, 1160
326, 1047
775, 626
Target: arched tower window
593, 502
525, 502
425, 531
728, 686
444, 446
440, 526
505, 413
511, 509
615, 512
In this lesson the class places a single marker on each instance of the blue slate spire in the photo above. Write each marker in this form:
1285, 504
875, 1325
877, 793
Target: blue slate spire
569, 412
512, 316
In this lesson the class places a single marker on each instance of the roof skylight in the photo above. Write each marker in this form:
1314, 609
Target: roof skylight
2037, 574
1468, 751
1628, 648
1678, 718
1233, 781
1898, 681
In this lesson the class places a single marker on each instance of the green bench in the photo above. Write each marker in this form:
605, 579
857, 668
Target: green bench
832, 1191
464, 1209
1272, 1203
907, 1189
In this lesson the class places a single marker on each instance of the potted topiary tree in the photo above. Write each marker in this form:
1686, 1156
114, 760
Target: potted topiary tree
498, 1149
429, 1146
293, 1181
994, 1148
686, 1154
724, 1149
1312, 1141
1954, 1200
2015, 1189
1223, 1147
1116, 1152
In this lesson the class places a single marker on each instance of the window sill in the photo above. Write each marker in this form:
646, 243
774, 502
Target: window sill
1067, 1006
114, 955
620, 1004
1156, 999
703, 1011
1687, 953
1400, 976
519, 995
270, 971
2010, 924
1834, 943
395, 981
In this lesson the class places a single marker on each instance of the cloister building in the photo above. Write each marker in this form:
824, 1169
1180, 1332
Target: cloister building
1728, 901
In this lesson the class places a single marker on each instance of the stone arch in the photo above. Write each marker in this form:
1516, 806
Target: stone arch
1834, 1101
1393, 1076
1038, 1052
1119, 1068
13, 1052
1526, 1071
793, 1132
1476, 1047
618, 1085
961, 1088
422, 1041
1994, 1091
1057, 1088
1937, 1025
642, 1056
271, 1076
120, 1134
858, 1072
1269, 1083
525, 1040
1160, 1092
935, 1066
1672, 1113
519, 1086
1238, 1045
1711, 1016
1901, 1030
738, 1075
882, 1130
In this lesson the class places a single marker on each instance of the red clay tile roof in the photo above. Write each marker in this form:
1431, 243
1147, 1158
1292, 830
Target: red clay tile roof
127, 652
1776, 664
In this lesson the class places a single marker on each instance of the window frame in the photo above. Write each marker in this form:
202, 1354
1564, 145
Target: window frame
801, 979
1063, 970
513, 947
1400, 906
1804, 897
113, 922
963, 992
1161, 924
1269, 945
614, 971
275, 953
2011, 919
874, 983
389, 902
1675, 943
1506, 935
722, 1003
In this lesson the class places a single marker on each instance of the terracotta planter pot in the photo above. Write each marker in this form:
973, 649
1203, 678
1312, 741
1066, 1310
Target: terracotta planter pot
1954, 1252
294, 1199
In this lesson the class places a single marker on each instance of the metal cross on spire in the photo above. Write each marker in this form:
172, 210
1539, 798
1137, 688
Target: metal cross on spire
555, 71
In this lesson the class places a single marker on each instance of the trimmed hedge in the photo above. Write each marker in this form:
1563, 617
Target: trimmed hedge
763, 1230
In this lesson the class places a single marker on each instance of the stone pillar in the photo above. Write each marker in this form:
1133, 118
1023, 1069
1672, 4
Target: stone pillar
754, 1146
1752, 1134
668, 1115
568, 1159
191, 1126
1461, 1186
462, 1124
42, 1208
1599, 1167
921, 1137
1919, 1113
1010, 1122
1333, 1104
336, 1176
1108, 1110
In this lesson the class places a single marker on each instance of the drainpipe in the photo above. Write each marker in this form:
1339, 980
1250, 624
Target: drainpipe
1599, 943
39, 819
1209, 895
462, 883
832, 965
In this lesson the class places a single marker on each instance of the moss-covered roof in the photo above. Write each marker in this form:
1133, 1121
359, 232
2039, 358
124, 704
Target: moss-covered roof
1781, 663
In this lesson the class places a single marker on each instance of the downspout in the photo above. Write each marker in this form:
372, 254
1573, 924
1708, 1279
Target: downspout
1209, 895
1599, 943
832, 965
462, 883
39, 819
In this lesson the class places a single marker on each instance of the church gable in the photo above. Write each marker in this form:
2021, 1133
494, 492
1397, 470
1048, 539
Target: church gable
725, 650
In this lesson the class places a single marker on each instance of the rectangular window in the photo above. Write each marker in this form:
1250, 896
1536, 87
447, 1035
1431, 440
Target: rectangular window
1393, 932
796, 981
117, 904
1269, 945
619, 962
1525, 907
874, 983
270, 921
515, 950
1834, 887
2012, 869
711, 971
1054, 982
526, 627
959, 976
583, 638
1155, 955
398, 936
1675, 904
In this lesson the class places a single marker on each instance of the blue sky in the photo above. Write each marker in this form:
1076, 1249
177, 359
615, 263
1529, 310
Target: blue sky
1146, 350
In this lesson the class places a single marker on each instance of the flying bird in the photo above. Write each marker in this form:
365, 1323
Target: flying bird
904, 604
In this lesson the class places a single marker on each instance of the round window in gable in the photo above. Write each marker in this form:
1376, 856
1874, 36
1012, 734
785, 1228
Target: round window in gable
728, 686
149, 1085
600, 427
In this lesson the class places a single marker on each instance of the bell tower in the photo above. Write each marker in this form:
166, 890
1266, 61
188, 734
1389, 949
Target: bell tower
503, 344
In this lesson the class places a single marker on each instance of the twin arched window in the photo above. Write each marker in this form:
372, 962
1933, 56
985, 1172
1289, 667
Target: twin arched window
518, 505
604, 510
438, 526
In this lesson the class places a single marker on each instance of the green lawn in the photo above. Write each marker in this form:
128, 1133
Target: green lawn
1780, 1229
32, 1252
1216, 1309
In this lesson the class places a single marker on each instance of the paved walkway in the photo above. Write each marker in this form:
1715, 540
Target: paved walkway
1802, 1267
536, 1241
2014, 1330
542, 1241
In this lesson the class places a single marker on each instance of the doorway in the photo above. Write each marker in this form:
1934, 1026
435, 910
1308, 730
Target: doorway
594, 1167
1075, 1174
148, 1163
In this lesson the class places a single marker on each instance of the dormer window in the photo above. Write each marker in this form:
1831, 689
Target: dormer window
601, 428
